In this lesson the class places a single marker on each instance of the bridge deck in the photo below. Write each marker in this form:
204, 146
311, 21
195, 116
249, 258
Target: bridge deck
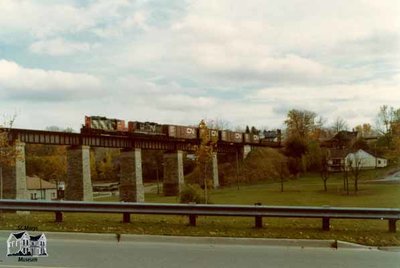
133, 140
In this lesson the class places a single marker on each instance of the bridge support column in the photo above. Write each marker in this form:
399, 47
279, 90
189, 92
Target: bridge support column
173, 173
246, 150
79, 183
215, 170
14, 176
131, 187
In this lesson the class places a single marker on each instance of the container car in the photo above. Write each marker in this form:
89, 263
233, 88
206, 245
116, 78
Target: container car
181, 132
230, 136
145, 128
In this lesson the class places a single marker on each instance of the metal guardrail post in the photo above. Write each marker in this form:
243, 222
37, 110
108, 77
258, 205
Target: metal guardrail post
192, 220
59, 216
259, 223
325, 224
258, 219
126, 218
392, 225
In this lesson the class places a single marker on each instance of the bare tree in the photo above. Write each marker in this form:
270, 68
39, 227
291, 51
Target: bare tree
218, 123
339, 125
324, 170
355, 164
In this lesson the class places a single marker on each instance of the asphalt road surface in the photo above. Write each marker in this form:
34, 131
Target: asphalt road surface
92, 253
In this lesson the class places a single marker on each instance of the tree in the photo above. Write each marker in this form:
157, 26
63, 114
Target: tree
324, 170
50, 164
364, 130
204, 156
59, 129
339, 125
254, 130
8, 153
300, 123
218, 123
354, 162
386, 118
106, 169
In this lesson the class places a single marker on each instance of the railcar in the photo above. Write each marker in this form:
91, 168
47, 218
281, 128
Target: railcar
105, 126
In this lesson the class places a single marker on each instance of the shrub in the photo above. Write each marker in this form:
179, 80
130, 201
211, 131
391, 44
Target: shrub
192, 193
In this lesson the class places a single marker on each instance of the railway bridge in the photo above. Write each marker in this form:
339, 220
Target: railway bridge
78, 180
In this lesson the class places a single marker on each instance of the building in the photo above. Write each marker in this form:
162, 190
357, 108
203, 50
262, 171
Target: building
365, 159
40, 189
22, 244
342, 140
338, 159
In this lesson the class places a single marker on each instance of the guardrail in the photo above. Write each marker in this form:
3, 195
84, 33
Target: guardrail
194, 210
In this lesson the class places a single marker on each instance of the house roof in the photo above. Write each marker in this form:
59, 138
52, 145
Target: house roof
18, 235
36, 238
338, 153
345, 135
36, 183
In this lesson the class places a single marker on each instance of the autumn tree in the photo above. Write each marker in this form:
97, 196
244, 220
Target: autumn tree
8, 153
46, 161
204, 156
303, 131
302, 123
364, 130
386, 118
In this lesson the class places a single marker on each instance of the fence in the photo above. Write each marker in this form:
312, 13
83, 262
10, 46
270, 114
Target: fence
195, 210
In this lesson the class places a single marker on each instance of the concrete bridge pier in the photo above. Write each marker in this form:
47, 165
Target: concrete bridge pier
131, 187
79, 183
14, 176
173, 173
215, 170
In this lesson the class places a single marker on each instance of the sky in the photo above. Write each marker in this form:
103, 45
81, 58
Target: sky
180, 61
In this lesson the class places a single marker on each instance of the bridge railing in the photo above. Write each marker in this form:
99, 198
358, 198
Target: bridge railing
194, 210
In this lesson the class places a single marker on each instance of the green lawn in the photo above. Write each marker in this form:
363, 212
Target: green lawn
304, 191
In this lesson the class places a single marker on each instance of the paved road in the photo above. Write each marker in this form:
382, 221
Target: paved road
92, 253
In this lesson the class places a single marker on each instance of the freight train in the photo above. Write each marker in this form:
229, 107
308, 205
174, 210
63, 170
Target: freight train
105, 126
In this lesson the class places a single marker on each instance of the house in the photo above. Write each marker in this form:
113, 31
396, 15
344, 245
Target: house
336, 159
40, 189
365, 160
339, 159
343, 139
22, 244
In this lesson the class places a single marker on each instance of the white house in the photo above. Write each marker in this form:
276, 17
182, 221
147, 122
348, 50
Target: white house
364, 160
22, 244
40, 189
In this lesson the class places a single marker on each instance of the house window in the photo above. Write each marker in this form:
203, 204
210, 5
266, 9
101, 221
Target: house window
53, 195
379, 161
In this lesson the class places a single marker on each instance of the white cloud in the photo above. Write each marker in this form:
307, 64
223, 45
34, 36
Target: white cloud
244, 61
26, 83
59, 47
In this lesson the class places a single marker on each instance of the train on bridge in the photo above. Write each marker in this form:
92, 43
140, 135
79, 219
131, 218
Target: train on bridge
105, 126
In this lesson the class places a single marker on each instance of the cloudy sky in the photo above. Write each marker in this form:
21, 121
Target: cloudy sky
178, 61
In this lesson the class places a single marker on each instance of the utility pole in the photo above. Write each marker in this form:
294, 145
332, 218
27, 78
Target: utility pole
1, 181
237, 167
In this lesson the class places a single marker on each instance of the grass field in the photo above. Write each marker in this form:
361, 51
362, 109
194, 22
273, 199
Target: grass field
306, 191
